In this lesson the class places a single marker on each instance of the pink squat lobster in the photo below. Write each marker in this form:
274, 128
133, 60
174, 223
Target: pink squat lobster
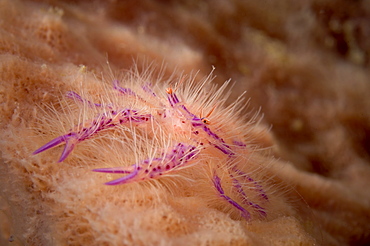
180, 156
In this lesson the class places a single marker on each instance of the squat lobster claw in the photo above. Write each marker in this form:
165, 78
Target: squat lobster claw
103, 122
70, 141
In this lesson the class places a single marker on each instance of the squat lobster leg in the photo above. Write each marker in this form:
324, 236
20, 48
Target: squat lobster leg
239, 189
75, 96
103, 122
124, 91
217, 183
177, 158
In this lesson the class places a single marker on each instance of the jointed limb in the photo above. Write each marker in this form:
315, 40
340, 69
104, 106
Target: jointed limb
176, 158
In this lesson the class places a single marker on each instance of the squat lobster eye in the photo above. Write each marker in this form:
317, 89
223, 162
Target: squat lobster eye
206, 121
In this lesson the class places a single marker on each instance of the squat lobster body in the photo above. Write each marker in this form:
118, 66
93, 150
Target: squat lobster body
198, 138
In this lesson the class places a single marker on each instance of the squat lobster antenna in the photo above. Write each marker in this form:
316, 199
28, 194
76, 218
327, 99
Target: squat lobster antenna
212, 110
178, 84
205, 119
170, 91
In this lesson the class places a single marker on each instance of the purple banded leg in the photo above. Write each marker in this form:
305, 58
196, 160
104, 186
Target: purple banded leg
124, 91
257, 185
75, 96
217, 183
175, 159
101, 123
239, 143
241, 192
148, 89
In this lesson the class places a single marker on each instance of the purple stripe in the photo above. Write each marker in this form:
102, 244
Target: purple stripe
125, 91
240, 190
258, 186
110, 170
226, 151
170, 100
239, 143
217, 184
174, 98
187, 111
74, 95
147, 88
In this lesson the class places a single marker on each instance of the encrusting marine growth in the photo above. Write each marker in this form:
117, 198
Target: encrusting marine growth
171, 118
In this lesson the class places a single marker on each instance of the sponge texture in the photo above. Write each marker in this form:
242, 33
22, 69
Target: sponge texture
314, 94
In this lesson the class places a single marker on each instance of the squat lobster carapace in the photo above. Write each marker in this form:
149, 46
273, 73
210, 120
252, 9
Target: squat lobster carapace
191, 138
